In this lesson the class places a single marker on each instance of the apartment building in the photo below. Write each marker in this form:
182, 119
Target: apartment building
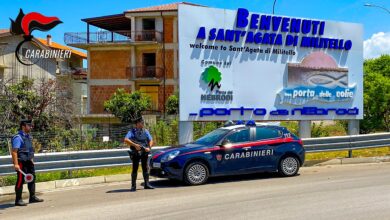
136, 50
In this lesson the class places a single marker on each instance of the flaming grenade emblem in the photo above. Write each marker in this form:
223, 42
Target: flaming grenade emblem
25, 24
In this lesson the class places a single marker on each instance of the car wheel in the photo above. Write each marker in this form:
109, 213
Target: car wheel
289, 166
196, 173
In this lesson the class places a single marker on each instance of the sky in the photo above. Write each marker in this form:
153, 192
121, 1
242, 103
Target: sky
376, 21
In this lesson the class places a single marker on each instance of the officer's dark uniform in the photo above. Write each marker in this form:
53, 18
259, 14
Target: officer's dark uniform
141, 137
23, 143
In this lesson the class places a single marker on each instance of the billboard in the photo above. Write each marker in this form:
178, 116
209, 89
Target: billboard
241, 65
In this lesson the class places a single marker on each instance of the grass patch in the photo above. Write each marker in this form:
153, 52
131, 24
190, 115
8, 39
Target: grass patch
318, 129
372, 152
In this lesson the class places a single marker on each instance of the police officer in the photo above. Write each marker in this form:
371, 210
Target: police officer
22, 157
140, 142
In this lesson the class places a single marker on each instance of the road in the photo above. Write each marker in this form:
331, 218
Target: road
331, 192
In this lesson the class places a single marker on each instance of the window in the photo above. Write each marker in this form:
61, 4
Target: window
149, 61
267, 133
212, 137
148, 30
148, 24
239, 136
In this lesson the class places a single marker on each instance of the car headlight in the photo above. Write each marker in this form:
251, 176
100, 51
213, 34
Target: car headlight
169, 156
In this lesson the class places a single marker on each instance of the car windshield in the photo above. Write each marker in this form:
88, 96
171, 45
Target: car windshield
212, 137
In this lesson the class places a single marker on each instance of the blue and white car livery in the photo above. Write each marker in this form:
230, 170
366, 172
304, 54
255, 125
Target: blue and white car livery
230, 150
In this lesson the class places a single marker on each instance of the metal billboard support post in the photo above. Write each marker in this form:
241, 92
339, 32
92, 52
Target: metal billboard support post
353, 129
305, 129
186, 132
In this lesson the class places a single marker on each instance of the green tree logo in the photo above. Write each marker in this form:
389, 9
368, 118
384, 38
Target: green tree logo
212, 77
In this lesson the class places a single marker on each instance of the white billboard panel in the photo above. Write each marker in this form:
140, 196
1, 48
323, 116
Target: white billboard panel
239, 65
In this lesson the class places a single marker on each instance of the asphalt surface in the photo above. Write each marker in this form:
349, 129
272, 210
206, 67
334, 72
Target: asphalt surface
331, 192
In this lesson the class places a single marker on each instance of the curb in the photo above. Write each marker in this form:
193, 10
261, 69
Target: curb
357, 160
7, 193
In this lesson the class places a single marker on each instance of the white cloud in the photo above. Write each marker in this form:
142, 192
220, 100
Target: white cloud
377, 45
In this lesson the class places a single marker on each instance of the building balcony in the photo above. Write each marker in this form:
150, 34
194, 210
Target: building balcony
82, 39
145, 73
75, 73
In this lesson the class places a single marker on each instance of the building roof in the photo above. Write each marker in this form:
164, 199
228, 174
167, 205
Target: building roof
58, 46
166, 7
4, 32
118, 22
53, 45
110, 22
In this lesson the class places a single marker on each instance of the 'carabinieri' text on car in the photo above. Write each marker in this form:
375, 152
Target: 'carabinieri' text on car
230, 150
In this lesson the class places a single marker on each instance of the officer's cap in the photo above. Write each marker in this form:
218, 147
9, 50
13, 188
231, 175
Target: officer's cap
138, 120
25, 122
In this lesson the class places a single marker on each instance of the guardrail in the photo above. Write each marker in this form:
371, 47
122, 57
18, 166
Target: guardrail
76, 160
343, 143
73, 160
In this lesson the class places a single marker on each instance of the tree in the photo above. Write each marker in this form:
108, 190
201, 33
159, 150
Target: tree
376, 95
127, 106
47, 102
376, 103
379, 65
36, 101
173, 104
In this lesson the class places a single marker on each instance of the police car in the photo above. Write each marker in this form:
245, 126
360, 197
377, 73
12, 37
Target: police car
230, 150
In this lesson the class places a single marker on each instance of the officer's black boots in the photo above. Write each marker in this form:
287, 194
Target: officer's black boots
19, 200
146, 183
133, 187
133, 182
34, 199
20, 203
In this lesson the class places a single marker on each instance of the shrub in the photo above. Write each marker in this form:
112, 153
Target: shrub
173, 104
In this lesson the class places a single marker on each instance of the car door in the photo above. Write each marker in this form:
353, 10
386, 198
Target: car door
263, 154
232, 160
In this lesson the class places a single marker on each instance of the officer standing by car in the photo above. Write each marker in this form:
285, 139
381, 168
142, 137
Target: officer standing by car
140, 142
22, 157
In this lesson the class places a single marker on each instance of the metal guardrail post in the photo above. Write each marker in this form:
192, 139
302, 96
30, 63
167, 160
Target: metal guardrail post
350, 147
353, 129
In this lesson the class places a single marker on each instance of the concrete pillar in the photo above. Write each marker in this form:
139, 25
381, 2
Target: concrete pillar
353, 127
133, 28
133, 64
133, 55
305, 129
88, 82
175, 30
186, 131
